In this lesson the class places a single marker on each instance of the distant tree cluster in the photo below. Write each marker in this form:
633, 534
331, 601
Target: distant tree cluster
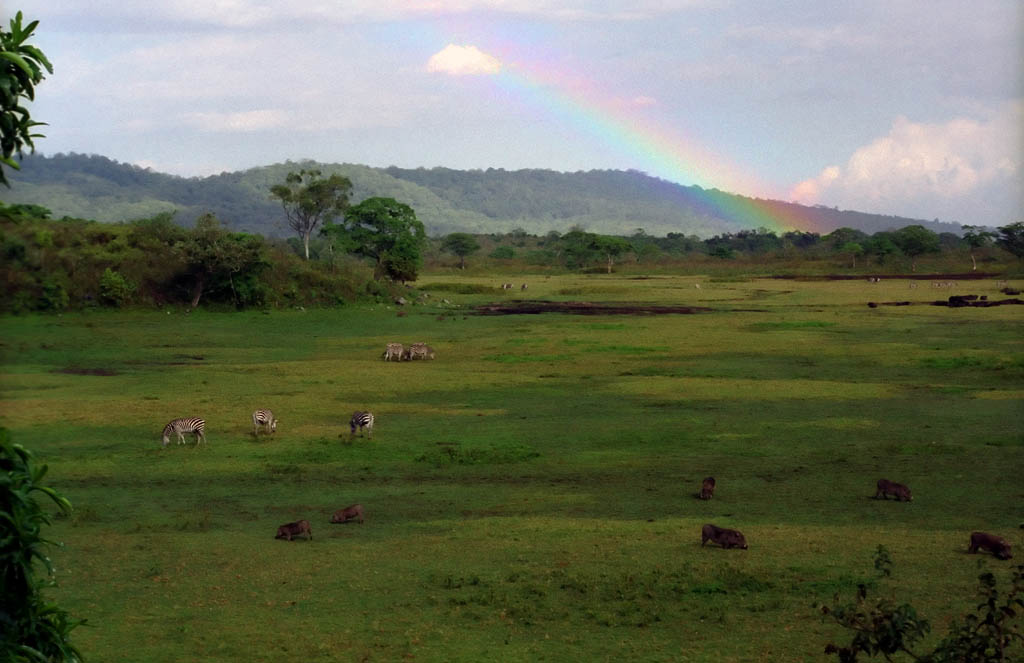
578, 249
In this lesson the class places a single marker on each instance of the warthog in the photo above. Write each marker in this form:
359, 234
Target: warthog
294, 529
707, 489
996, 545
354, 512
898, 490
727, 538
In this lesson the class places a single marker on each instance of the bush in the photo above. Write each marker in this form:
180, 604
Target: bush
115, 290
31, 629
503, 253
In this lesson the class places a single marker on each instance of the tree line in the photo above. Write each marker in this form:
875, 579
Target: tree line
843, 248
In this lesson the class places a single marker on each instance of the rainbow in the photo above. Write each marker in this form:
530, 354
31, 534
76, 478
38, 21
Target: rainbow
665, 154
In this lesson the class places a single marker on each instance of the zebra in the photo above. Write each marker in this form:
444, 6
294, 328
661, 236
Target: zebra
192, 425
418, 351
263, 418
361, 420
394, 350
524, 287
506, 286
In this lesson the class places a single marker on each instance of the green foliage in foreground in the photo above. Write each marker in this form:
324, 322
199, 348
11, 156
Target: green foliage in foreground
31, 627
992, 635
540, 508
21, 69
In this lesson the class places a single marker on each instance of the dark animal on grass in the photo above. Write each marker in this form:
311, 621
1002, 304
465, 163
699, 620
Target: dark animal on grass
897, 490
996, 545
292, 530
361, 420
354, 512
727, 538
707, 489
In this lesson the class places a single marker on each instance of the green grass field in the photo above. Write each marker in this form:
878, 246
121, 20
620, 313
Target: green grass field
530, 494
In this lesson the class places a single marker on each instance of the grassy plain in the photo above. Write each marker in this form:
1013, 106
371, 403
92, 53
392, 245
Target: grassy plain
529, 494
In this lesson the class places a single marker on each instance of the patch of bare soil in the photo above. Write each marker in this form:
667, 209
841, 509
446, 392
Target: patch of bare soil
584, 308
73, 370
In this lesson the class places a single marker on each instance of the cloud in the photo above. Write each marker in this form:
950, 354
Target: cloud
245, 121
923, 166
463, 61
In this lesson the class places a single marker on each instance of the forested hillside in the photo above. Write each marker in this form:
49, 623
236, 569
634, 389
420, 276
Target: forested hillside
445, 200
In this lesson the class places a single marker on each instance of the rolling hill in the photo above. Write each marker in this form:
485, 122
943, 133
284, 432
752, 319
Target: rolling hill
446, 200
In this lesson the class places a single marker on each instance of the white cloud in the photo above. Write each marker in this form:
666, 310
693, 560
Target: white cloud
245, 121
463, 61
921, 166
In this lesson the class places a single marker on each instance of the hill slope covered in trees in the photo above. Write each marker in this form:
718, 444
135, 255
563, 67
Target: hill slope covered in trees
445, 200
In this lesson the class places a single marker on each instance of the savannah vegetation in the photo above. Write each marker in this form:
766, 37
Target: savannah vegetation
530, 494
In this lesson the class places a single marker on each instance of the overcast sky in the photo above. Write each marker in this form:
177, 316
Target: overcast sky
912, 108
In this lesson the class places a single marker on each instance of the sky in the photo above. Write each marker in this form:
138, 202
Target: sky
903, 107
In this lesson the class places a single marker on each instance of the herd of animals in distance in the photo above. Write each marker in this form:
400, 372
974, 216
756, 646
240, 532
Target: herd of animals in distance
362, 421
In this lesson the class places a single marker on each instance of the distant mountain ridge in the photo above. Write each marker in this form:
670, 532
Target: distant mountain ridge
445, 200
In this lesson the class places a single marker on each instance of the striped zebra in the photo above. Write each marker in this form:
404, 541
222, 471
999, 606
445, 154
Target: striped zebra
263, 419
192, 425
361, 420
394, 351
419, 351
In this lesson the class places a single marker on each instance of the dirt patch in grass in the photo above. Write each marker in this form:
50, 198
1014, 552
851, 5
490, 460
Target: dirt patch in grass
75, 370
584, 308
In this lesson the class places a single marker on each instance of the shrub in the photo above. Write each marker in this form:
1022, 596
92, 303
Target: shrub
115, 290
503, 253
31, 628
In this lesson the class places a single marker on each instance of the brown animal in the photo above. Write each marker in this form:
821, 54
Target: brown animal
354, 512
294, 529
707, 489
727, 538
898, 490
996, 545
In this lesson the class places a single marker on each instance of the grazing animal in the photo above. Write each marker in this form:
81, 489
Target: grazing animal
361, 420
354, 512
913, 284
506, 286
523, 287
192, 425
263, 418
727, 538
996, 545
707, 489
290, 530
420, 351
394, 351
898, 490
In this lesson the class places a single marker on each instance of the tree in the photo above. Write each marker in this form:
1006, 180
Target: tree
852, 249
385, 231
462, 245
976, 237
220, 260
883, 628
610, 248
915, 241
21, 69
1011, 238
309, 200
31, 629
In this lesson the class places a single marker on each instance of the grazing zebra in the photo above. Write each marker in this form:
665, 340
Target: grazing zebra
361, 420
524, 287
913, 284
264, 418
417, 351
192, 425
395, 351
506, 286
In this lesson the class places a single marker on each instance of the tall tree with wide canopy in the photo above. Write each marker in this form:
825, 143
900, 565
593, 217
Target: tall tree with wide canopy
915, 241
1011, 238
385, 231
21, 69
462, 245
310, 199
